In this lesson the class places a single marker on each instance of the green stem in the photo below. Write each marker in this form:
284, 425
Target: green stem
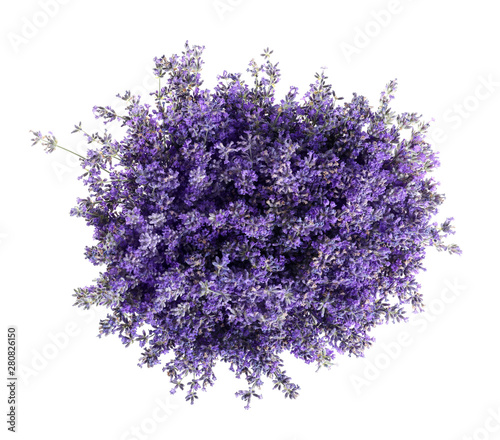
76, 154
72, 152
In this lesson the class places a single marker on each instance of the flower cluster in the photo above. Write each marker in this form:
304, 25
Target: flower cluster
234, 228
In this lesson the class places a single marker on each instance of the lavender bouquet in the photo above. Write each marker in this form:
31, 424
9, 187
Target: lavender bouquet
234, 227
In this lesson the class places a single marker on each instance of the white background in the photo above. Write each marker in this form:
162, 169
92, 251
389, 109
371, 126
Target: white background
436, 377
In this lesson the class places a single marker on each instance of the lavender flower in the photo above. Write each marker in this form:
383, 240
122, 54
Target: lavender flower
238, 228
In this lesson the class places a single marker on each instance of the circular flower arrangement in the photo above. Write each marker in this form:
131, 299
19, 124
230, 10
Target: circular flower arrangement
235, 228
